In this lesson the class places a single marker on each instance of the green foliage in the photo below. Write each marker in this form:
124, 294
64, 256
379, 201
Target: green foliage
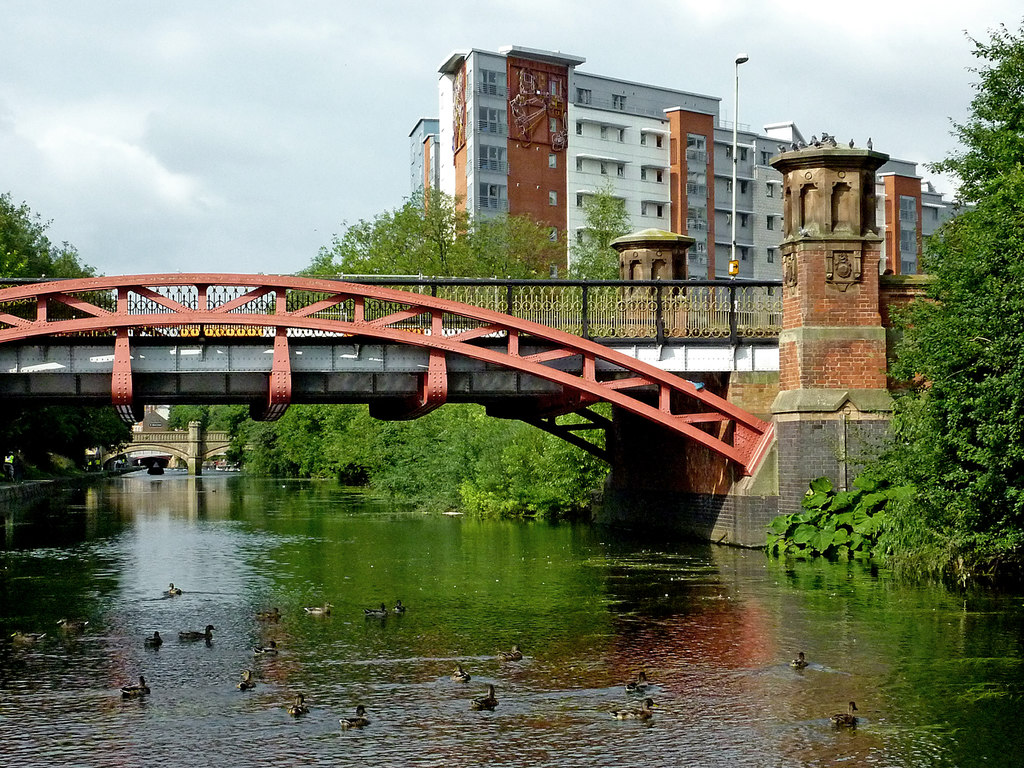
39, 432
959, 426
433, 236
835, 524
606, 219
26, 251
214, 417
454, 458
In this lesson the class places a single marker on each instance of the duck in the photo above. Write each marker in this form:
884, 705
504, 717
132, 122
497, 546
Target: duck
298, 707
644, 713
153, 642
270, 649
487, 702
845, 719
274, 615
247, 683
460, 675
799, 662
319, 610
206, 634
639, 685
399, 608
135, 691
172, 591
355, 722
514, 655
26, 638
376, 613
72, 625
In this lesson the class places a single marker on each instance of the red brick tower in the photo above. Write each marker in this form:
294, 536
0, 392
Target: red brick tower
833, 400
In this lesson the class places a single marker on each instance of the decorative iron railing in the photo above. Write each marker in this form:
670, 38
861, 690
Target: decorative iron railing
602, 310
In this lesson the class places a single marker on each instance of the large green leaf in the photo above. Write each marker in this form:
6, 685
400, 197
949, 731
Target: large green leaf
823, 539
804, 533
780, 524
821, 484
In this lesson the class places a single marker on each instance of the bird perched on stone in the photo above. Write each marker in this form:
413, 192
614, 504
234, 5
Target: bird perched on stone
870, 144
851, 143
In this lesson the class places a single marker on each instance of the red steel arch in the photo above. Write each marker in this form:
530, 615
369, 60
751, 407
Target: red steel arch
281, 303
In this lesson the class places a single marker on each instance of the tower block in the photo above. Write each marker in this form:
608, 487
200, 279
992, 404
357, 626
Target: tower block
833, 400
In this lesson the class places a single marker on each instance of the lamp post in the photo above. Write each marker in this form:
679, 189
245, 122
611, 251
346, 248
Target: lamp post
734, 265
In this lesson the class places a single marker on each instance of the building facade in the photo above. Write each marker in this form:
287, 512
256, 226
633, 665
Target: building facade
521, 131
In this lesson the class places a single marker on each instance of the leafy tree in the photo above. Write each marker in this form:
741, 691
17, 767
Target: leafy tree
431, 235
959, 427
26, 251
606, 219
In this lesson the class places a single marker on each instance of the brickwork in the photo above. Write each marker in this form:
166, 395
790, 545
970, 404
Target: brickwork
832, 363
753, 392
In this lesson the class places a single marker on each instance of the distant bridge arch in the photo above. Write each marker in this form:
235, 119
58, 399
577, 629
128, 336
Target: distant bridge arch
125, 313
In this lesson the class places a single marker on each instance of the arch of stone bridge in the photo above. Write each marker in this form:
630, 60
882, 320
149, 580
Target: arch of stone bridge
173, 450
678, 405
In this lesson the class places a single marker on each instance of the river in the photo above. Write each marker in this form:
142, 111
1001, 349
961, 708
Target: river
936, 674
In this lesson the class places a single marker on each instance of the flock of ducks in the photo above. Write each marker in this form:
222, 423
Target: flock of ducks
298, 707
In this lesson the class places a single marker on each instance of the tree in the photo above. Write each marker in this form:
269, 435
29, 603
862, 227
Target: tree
431, 235
606, 219
959, 427
26, 251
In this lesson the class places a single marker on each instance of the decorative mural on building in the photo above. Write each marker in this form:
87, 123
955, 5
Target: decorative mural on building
537, 106
459, 111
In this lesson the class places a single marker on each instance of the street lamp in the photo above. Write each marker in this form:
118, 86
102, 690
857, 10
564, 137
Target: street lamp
734, 265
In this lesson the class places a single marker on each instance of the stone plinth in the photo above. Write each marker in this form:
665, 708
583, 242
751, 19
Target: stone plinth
652, 254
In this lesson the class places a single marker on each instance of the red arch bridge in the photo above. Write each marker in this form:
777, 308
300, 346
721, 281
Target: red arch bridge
533, 350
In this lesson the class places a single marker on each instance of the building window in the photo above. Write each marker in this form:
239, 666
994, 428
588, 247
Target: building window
579, 200
743, 154
661, 210
643, 208
728, 150
743, 253
492, 82
771, 255
552, 198
492, 120
657, 140
743, 187
579, 164
553, 234
771, 222
620, 170
643, 139
764, 157
553, 88
643, 174
604, 169
622, 134
582, 95
658, 175
769, 190
618, 102
552, 160
552, 125
728, 185
743, 219
579, 128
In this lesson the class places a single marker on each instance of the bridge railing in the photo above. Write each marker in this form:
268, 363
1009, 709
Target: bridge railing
601, 310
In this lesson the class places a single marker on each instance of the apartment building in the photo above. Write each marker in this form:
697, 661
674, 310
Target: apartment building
522, 131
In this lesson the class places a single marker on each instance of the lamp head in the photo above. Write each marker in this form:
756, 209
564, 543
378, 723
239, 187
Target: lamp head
742, 58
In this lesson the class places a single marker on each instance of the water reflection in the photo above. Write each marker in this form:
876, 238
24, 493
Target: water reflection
936, 676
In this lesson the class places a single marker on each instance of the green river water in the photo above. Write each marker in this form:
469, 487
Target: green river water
937, 675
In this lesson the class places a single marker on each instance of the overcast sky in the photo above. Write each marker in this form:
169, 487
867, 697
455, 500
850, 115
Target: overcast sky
240, 136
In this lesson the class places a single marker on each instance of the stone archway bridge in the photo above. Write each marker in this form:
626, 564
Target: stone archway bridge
192, 446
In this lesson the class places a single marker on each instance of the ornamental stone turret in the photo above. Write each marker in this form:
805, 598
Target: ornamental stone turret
652, 254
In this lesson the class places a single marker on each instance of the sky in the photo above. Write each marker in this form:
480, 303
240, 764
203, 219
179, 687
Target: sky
233, 136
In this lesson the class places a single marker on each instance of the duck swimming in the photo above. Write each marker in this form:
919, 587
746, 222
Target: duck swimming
487, 702
460, 675
514, 655
153, 642
172, 591
319, 610
298, 707
247, 683
135, 691
845, 719
26, 638
799, 662
376, 613
355, 722
274, 615
399, 608
639, 685
206, 634
72, 625
644, 713
270, 649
